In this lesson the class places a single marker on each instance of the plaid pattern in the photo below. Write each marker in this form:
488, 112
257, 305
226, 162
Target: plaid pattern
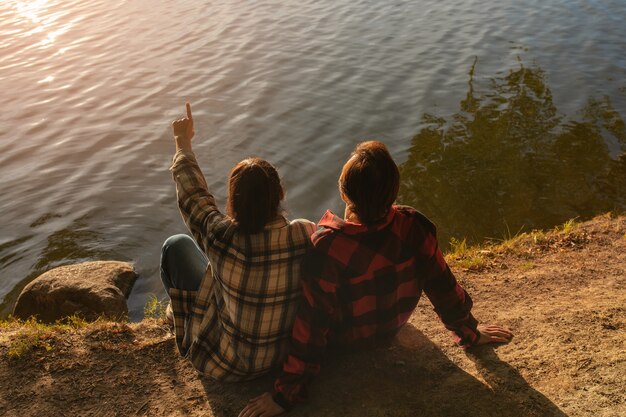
236, 326
361, 283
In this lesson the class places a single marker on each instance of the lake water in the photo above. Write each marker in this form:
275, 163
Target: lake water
504, 115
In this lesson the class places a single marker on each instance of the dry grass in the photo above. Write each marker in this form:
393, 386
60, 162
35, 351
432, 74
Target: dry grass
477, 258
24, 339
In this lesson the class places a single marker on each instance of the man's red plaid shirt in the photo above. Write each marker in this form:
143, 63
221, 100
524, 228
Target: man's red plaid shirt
362, 282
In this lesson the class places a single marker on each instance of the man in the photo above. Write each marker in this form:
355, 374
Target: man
365, 276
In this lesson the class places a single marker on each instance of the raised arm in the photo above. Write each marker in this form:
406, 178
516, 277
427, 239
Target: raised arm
197, 205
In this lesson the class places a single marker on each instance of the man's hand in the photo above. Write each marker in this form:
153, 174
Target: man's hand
492, 333
262, 406
183, 130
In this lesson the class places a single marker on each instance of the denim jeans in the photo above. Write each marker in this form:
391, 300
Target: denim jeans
183, 263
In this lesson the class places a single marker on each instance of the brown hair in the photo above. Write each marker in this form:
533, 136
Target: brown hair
369, 181
254, 194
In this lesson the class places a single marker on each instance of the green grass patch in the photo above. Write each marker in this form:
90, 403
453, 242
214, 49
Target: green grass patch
473, 263
473, 258
32, 336
154, 309
480, 257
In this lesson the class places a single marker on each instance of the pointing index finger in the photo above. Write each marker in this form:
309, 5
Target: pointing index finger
188, 109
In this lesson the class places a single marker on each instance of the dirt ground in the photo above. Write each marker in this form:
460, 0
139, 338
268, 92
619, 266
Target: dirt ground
562, 294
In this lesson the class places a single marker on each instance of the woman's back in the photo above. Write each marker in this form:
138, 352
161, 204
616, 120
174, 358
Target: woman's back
256, 291
232, 322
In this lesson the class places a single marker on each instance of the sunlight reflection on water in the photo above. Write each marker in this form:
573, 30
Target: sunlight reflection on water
89, 88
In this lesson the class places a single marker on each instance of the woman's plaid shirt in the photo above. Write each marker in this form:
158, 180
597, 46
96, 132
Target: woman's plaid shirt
237, 324
362, 282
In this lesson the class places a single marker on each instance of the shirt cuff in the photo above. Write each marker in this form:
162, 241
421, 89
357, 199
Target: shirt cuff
475, 341
280, 399
180, 157
468, 339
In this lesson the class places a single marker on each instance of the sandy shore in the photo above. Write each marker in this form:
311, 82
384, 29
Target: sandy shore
561, 292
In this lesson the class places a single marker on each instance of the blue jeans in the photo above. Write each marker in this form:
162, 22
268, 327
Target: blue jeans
183, 263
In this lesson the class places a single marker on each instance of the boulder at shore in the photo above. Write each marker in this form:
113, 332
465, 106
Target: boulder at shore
90, 290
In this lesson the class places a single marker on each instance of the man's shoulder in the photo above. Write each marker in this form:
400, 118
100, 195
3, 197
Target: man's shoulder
416, 217
416, 229
320, 266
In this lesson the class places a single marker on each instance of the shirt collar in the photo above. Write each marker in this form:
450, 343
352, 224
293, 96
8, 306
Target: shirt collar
332, 221
278, 222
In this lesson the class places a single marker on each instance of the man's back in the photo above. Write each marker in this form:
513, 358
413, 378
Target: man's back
362, 282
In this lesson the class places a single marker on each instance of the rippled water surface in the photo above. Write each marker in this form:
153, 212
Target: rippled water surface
503, 114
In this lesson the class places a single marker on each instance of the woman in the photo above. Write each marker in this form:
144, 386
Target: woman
235, 289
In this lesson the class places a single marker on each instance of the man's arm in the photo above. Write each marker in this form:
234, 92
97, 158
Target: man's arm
453, 304
308, 341
197, 206
308, 344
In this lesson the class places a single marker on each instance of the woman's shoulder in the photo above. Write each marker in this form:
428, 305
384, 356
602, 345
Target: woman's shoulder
303, 222
302, 227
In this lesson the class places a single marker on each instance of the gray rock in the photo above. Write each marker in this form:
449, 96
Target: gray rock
90, 290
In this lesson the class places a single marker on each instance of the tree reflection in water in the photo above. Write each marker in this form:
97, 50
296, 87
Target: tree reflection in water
507, 161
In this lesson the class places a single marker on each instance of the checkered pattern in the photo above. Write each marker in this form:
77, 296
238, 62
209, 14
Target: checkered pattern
236, 326
362, 283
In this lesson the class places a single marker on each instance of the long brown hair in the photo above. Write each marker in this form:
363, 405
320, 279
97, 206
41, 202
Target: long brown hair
254, 194
369, 181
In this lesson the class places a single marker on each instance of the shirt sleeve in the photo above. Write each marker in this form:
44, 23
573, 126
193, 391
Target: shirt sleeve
197, 205
310, 332
452, 303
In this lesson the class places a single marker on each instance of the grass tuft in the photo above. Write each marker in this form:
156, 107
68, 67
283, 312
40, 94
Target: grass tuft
154, 309
470, 258
567, 227
473, 263
458, 247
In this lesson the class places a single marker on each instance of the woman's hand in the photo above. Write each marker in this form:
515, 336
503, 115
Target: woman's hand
262, 406
492, 333
183, 130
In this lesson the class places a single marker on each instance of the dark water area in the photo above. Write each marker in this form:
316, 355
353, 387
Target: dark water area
503, 115
509, 162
